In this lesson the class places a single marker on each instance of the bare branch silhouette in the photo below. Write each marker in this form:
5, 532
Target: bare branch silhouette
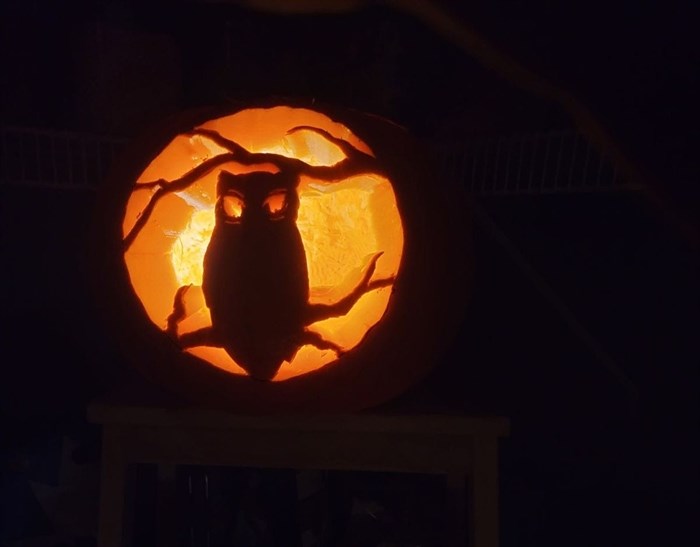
165, 188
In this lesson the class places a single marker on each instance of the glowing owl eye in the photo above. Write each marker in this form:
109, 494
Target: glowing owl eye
275, 204
232, 206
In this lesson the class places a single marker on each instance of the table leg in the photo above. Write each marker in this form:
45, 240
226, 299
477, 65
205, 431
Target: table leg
484, 493
456, 509
166, 510
112, 489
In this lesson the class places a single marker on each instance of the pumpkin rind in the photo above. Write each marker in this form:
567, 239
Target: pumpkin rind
427, 296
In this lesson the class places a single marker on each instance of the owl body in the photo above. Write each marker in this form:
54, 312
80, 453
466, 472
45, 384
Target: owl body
255, 280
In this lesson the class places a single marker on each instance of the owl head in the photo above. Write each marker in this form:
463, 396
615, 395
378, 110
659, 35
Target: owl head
257, 198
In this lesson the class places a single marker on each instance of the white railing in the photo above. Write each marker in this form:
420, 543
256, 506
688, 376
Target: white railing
535, 163
62, 160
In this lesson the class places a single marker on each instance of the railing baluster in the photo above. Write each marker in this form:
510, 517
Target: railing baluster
543, 184
584, 172
496, 162
484, 178
20, 156
555, 183
54, 161
474, 160
5, 173
520, 163
37, 157
509, 153
69, 160
600, 171
573, 161
98, 159
532, 165
83, 151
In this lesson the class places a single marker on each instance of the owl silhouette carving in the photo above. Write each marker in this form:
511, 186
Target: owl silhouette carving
255, 276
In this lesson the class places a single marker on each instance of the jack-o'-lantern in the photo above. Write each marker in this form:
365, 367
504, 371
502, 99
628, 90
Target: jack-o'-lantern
277, 257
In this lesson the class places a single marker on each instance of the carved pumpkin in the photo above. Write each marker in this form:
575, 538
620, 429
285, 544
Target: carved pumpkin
274, 258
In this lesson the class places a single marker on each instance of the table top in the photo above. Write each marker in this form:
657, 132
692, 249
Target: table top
138, 405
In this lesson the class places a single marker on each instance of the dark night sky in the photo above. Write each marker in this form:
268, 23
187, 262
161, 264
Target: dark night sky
626, 264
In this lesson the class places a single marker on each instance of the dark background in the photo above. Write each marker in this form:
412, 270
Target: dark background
599, 453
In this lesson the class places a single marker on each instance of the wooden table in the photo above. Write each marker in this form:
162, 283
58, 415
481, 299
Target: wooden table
465, 449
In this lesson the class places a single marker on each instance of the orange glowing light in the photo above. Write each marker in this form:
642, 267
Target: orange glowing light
342, 223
